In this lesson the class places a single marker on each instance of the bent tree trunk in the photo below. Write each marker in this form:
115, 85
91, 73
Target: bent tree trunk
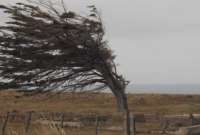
117, 85
119, 92
122, 103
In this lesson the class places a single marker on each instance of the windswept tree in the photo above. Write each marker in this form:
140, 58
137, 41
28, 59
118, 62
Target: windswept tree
46, 49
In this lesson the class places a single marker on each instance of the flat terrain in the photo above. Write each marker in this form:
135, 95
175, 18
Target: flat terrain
97, 103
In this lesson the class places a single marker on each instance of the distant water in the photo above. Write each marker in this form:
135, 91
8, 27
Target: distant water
165, 88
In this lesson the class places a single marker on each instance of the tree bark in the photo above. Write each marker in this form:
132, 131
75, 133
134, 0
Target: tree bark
122, 103
117, 88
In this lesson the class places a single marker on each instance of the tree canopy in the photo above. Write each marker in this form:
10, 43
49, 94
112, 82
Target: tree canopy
42, 48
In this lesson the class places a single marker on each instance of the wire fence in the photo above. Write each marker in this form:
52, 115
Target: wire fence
140, 123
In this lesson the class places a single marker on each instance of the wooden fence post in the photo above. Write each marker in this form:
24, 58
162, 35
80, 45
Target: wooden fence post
62, 120
97, 125
12, 116
5, 124
191, 117
125, 117
126, 126
28, 122
132, 124
52, 116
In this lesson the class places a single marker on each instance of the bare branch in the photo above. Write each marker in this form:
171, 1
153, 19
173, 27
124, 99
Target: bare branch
44, 49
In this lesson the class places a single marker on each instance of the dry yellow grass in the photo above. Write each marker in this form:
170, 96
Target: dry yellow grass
88, 103
98, 103
18, 128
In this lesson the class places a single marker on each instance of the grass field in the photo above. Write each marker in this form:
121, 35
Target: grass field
98, 103
84, 103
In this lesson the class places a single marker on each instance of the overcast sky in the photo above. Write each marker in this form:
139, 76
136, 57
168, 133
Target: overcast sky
156, 41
